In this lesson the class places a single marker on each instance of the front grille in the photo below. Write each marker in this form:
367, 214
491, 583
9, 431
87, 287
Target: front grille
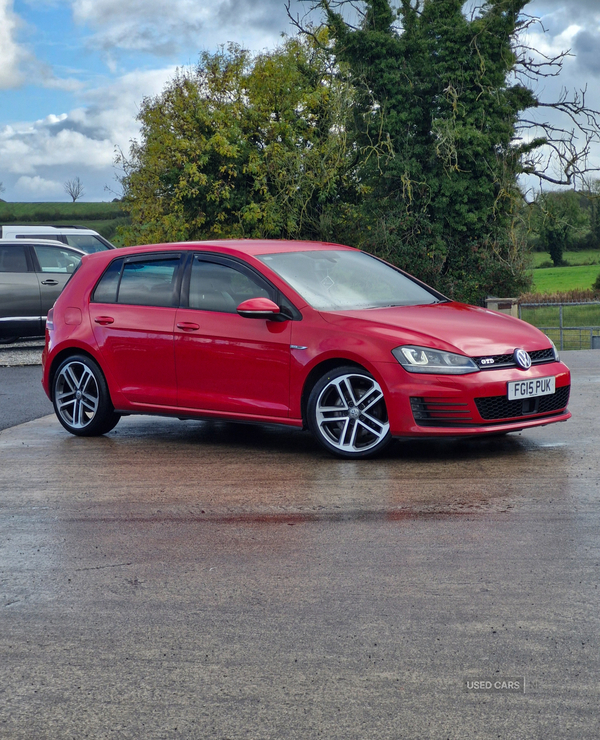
500, 362
499, 407
439, 412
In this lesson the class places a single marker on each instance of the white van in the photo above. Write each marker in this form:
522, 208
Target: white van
87, 240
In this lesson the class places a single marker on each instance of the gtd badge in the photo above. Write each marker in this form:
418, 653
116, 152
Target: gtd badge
522, 359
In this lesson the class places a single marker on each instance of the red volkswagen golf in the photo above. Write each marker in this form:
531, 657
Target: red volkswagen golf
311, 335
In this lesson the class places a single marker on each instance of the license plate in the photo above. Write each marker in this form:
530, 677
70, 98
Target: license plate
518, 389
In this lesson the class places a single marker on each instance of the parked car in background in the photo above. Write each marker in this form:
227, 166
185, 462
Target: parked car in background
305, 334
32, 274
87, 240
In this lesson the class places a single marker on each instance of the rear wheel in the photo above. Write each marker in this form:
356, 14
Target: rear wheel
347, 414
81, 398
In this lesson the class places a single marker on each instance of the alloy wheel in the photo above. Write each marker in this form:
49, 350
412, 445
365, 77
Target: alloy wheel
351, 415
77, 394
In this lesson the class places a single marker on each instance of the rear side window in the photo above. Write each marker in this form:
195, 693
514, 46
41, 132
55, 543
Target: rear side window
86, 242
12, 258
106, 290
53, 237
140, 282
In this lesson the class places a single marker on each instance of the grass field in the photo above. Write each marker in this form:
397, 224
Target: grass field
585, 257
562, 279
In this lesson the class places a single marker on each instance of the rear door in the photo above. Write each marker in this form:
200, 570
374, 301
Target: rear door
133, 315
20, 303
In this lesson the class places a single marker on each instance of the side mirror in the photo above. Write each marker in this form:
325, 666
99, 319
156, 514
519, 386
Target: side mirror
259, 308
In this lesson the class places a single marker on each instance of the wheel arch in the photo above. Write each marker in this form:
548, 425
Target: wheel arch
317, 372
61, 356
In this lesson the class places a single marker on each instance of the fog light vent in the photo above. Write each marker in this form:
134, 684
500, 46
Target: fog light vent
439, 412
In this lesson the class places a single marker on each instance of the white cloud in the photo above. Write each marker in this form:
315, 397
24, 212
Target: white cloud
81, 142
18, 64
166, 28
12, 55
26, 148
574, 8
586, 49
38, 187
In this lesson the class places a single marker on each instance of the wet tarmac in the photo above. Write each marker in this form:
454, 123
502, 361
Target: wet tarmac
202, 580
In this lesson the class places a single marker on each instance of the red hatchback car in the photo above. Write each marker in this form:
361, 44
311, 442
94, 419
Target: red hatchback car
311, 335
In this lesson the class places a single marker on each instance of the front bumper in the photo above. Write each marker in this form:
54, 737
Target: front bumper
476, 403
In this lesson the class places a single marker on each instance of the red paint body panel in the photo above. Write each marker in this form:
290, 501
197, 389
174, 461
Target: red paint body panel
190, 362
233, 364
454, 327
138, 347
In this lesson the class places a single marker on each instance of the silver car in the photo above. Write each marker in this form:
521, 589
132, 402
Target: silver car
32, 274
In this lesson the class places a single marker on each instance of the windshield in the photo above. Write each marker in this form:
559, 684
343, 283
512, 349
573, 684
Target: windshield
343, 280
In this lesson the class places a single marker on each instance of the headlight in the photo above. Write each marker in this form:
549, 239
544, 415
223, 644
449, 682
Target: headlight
556, 355
425, 360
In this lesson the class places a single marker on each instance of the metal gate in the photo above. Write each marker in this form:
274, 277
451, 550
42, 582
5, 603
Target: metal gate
570, 325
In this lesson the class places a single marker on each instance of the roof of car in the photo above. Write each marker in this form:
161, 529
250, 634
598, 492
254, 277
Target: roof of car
46, 228
244, 246
40, 243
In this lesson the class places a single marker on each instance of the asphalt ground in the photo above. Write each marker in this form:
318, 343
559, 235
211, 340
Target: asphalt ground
205, 580
21, 395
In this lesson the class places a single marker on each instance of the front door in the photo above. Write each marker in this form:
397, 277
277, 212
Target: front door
226, 362
20, 309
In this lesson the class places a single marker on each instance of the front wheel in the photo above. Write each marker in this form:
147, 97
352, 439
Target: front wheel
346, 413
81, 398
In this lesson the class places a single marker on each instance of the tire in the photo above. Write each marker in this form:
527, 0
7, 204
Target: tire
81, 398
347, 415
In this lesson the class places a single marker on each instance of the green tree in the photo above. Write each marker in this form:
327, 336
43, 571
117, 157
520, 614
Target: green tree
559, 219
593, 197
243, 146
434, 86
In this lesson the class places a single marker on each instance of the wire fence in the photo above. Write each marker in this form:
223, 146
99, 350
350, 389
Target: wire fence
570, 325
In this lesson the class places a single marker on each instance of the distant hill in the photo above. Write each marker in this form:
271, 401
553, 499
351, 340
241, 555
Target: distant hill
102, 217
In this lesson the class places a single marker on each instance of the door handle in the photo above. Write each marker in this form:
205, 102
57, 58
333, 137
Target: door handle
104, 320
49, 282
187, 326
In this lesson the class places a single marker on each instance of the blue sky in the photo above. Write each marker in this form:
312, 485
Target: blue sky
73, 73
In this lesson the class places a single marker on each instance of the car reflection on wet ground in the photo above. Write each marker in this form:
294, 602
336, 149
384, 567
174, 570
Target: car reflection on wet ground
211, 580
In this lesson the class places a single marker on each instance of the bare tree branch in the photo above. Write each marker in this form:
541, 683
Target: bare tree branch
74, 188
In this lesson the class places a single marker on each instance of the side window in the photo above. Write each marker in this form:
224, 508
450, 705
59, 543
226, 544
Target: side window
55, 259
106, 290
86, 242
12, 258
218, 287
148, 282
53, 237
